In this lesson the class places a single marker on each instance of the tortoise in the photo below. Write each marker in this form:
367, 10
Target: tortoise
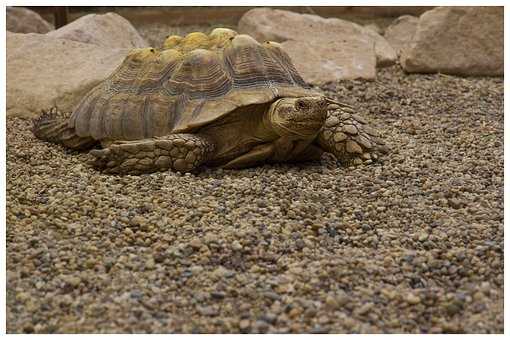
221, 100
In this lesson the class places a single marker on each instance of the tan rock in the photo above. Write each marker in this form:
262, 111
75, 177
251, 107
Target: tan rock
374, 27
457, 40
108, 29
322, 49
320, 62
43, 71
23, 20
401, 32
384, 52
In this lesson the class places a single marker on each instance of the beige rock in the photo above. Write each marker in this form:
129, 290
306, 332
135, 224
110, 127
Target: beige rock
384, 52
374, 27
108, 29
457, 40
319, 62
43, 71
23, 20
401, 32
322, 49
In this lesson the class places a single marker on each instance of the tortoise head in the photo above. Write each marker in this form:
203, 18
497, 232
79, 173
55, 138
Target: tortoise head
298, 117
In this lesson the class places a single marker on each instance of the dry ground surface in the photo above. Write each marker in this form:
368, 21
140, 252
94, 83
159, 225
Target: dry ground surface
413, 243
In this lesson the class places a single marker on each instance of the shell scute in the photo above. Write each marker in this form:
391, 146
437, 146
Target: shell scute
201, 74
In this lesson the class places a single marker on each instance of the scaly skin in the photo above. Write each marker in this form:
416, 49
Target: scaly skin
346, 135
179, 152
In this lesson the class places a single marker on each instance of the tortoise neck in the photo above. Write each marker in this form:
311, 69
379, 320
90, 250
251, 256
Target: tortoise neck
265, 128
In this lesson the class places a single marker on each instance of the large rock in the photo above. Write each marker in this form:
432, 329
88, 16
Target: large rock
374, 27
320, 62
108, 29
401, 32
322, 49
384, 52
457, 40
23, 20
43, 71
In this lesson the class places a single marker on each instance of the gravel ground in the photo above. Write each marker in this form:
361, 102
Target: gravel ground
411, 244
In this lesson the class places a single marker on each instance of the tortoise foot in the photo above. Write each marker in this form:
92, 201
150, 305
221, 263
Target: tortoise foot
347, 136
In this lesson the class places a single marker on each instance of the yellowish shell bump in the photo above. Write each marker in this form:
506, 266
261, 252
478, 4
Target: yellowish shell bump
143, 54
172, 41
170, 55
243, 40
193, 41
217, 39
220, 36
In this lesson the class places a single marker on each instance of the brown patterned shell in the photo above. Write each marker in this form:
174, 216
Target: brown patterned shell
191, 82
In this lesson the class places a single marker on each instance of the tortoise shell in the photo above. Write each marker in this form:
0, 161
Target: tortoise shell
191, 82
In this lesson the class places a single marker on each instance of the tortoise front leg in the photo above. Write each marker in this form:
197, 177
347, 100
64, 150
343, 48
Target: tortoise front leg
312, 153
253, 157
347, 136
180, 152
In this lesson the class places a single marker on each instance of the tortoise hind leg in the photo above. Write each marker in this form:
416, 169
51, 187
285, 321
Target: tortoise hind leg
52, 126
180, 152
